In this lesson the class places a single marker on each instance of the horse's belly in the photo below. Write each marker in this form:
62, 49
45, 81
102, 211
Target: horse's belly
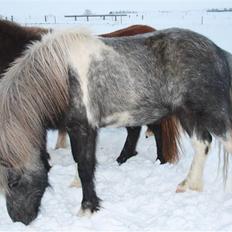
132, 118
118, 119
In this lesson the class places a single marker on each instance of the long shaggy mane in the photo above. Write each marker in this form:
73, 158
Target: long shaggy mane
34, 91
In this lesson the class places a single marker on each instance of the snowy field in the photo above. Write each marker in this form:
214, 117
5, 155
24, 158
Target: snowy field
140, 194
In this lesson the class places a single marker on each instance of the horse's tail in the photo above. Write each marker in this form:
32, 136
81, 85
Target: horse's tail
227, 143
170, 138
229, 61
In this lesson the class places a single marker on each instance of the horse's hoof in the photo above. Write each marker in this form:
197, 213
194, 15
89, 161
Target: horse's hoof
186, 184
123, 158
162, 161
84, 213
76, 183
88, 208
180, 189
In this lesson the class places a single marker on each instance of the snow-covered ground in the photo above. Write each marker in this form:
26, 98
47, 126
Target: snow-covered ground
140, 194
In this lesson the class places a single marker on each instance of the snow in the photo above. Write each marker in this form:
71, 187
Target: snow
140, 194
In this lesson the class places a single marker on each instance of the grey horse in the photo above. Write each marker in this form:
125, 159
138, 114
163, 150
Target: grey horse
81, 82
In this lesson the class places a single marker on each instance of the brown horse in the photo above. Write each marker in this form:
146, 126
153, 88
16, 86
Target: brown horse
13, 41
15, 38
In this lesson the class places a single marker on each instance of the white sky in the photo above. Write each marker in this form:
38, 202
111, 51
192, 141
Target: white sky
104, 6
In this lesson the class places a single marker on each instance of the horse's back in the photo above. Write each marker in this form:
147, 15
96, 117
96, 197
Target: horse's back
164, 71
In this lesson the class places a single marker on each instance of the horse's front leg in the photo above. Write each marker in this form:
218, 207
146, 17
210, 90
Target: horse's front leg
129, 148
83, 144
157, 131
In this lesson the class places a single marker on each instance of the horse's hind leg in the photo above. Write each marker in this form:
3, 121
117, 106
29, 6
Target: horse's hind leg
157, 131
130, 144
62, 139
194, 180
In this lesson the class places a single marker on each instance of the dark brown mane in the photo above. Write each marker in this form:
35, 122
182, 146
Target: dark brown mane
14, 39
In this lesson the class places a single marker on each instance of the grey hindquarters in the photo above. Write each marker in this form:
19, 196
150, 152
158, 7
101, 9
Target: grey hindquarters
202, 66
198, 80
